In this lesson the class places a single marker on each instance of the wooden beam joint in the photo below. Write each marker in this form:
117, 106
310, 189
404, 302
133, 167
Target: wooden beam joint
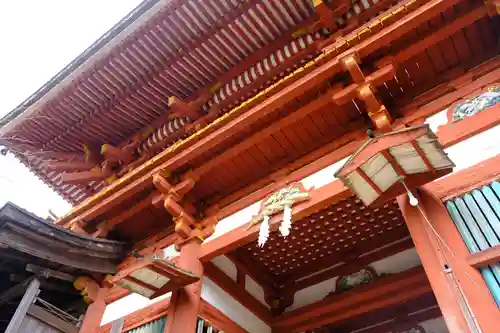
364, 88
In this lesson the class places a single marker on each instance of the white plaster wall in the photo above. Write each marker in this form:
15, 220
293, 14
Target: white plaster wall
437, 119
397, 263
221, 300
234, 221
475, 149
323, 176
436, 325
312, 294
127, 305
226, 265
255, 290
170, 252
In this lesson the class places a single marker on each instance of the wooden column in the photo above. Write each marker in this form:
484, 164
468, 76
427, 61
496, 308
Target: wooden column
434, 265
184, 306
461, 293
95, 296
93, 316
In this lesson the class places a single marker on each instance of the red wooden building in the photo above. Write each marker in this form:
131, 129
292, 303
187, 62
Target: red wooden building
225, 141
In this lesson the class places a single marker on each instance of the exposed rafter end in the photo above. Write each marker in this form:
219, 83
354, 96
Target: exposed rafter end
76, 178
70, 166
327, 17
493, 7
116, 154
180, 108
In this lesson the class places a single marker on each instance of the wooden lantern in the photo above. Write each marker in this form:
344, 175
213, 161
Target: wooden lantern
153, 277
391, 164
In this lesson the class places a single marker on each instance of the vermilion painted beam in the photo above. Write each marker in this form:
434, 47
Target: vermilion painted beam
353, 303
444, 95
160, 309
435, 37
335, 191
84, 176
105, 226
316, 105
242, 235
218, 319
391, 319
140, 178
487, 257
238, 293
468, 127
295, 171
245, 269
354, 265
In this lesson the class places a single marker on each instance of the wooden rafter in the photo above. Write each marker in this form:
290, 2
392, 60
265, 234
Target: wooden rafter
311, 79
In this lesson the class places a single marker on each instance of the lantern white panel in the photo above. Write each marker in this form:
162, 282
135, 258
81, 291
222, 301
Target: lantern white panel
408, 158
361, 188
380, 171
135, 288
150, 277
437, 157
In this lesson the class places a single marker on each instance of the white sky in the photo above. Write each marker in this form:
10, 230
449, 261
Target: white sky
37, 39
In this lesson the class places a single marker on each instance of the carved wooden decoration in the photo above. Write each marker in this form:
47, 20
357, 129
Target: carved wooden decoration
365, 275
152, 277
88, 288
281, 200
473, 105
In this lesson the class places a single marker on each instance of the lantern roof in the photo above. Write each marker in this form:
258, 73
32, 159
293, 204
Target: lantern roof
153, 277
389, 164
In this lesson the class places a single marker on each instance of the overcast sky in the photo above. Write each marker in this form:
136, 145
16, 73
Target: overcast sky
37, 39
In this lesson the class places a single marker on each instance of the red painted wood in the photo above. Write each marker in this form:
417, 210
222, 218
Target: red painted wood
184, 304
490, 256
434, 255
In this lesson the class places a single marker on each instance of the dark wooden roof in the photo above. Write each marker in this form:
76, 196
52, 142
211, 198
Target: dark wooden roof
31, 246
232, 49
31, 235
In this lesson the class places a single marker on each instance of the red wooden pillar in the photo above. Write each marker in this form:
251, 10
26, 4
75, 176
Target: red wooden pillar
184, 305
460, 290
95, 311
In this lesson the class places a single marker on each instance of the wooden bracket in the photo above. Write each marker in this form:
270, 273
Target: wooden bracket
326, 15
363, 88
172, 195
88, 288
180, 108
113, 153
96, 174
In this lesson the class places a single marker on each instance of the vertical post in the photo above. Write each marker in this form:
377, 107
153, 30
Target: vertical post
95, 311
185, 303
24, 305
461, 285
434, 266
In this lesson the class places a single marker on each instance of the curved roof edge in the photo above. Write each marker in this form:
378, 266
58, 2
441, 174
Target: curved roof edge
30, 234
